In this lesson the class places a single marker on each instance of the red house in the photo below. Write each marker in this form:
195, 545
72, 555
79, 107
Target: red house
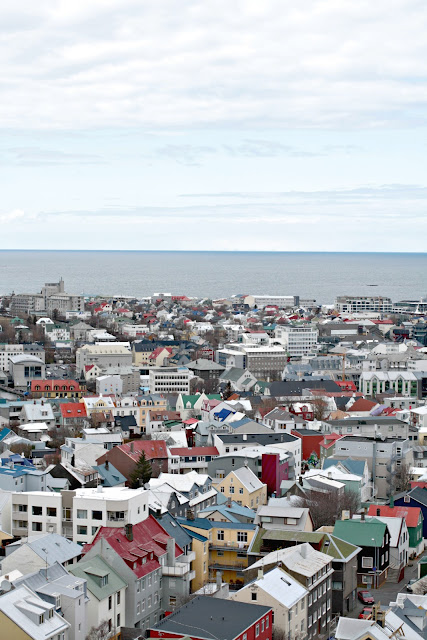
310, 441
125, 456
204, 618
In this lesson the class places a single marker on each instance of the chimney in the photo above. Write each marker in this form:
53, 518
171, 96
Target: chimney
260, 573
378, 512
170, 548
131, 447
362, 517
219, 579
391, 502
129, 531
106, 465
303, 550
190, 514
300, 481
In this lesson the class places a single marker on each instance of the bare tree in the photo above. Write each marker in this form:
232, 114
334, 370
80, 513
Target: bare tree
320, 408
100, 632
326, 507
402, 478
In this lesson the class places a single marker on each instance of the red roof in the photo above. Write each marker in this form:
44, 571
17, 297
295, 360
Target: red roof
159, 350
152, 449
330, 440
49, 385
362, 404
346, 384
411, 514
194, 451
73, 410
143, 553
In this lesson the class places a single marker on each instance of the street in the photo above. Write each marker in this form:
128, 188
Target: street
388, 592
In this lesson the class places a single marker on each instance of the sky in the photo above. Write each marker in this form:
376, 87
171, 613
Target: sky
217, 125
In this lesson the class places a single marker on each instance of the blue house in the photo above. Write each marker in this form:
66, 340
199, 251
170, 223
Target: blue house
417, 497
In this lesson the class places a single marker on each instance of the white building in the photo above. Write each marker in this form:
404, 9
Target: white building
170, 380
106, 507
103, 355
109, 385
283, 302
9, 350
298, 341
352, 304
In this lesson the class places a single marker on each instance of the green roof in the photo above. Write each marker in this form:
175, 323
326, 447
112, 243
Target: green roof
294, 536
362, 533
193, 399
337, 548
92, 570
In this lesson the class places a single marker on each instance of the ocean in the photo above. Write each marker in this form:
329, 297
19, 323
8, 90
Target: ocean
321, 276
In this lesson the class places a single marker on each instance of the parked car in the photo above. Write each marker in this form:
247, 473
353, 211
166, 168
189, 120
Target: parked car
410, 583
366, 613
365, 597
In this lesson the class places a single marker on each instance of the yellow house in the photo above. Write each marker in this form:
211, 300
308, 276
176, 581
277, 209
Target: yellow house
243, 486
228, 545
200, 546
147, 404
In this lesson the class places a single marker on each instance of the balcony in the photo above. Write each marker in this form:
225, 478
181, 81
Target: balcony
19, 515
190, 557
229, 546
233, 566
180, 569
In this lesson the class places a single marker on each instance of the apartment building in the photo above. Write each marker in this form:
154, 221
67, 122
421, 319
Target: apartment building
169, 380
9, 350
264, 362
383, 455
283, 302
313, 570
52, 297
353, 304
103, 356
287, 597
297, 341
78, 514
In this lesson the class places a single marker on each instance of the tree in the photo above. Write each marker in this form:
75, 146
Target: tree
326, 507
320, 408
402, 478
100, 632
142, 472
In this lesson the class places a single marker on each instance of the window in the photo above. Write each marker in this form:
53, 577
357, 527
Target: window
110, 602
96, 515
104, 581
257, 631
81, 530
241, 491
118, 620
267, 622
231, 489
23, 507
51, 511
82, 514
149, 601
367, 563
262, 625
242, 536
37, 511
254, 595
336, 585
220, 535
37, 526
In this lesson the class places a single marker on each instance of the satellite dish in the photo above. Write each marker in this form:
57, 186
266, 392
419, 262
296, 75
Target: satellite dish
5, 585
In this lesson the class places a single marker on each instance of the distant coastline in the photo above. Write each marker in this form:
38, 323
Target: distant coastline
319, 275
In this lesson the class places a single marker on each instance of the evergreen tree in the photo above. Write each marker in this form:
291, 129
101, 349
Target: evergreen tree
141, 474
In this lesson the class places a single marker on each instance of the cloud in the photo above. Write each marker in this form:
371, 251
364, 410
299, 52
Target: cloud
36, 156
124, 63
11, 216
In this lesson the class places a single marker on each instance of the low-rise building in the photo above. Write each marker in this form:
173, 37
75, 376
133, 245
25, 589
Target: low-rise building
243, 486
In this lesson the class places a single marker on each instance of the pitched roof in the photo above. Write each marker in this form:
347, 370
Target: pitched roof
411, 514
94, 569
248, 479
362, 404
73, 410
152, 449
204, 616
419, 495
279, 585
142, 554
368, 533
194, 451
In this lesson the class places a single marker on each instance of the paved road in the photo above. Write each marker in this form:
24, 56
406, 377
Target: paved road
388, 592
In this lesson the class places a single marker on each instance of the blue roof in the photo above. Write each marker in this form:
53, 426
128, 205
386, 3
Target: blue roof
4, 433
223, 414
111, 476
197, 536
231, 512
356, 467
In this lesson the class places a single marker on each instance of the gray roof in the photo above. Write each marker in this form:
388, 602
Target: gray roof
55, 579
210, 618
55, 548
204, 365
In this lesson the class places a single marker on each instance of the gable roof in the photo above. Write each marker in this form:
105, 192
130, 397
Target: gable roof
411, 514
94, 569
367, 533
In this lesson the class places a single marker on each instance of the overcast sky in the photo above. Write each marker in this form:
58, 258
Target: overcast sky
246, 125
